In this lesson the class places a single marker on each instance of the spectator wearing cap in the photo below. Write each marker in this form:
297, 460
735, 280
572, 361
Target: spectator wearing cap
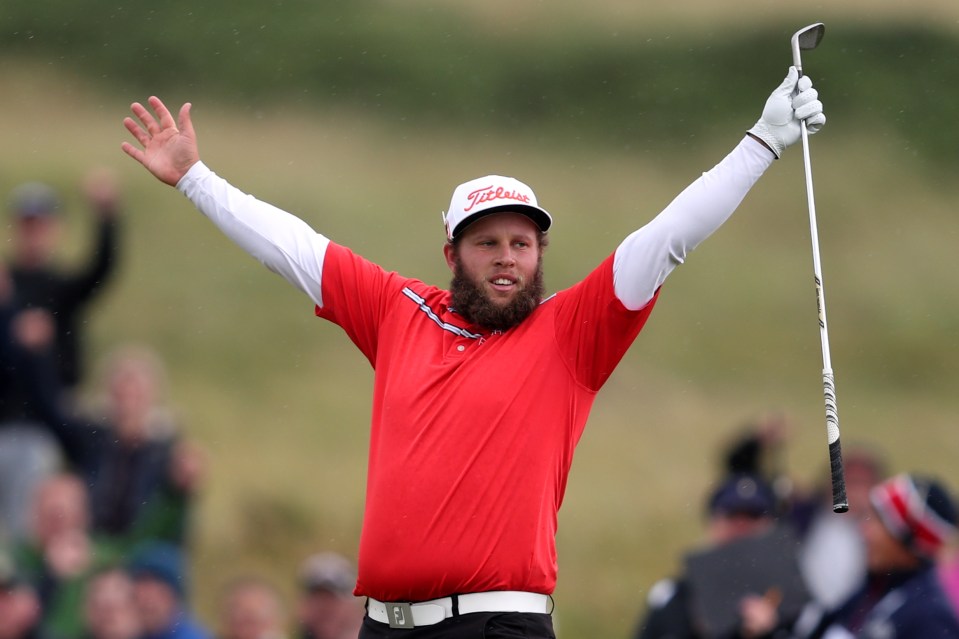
327, 607
36, 211
742, 507
160, 592
912, 519
743, 504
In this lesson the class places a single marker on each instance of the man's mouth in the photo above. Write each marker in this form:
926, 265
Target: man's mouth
502, 284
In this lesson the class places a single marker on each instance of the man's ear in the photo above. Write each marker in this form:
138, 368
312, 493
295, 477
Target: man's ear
450, 253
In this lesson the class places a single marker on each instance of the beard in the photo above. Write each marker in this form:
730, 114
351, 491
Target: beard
469, 300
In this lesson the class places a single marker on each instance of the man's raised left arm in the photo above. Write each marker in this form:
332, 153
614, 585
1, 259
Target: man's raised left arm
647, 256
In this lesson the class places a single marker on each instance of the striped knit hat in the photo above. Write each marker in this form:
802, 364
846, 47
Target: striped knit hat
917, 511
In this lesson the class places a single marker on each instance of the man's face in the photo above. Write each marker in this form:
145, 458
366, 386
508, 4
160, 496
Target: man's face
133, 395
109, 608
156, 603
60, 506
19, 611
35, 241
252, 611
497, 269
725, 528
884, 552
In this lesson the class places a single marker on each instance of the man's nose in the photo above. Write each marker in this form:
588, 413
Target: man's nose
506, 257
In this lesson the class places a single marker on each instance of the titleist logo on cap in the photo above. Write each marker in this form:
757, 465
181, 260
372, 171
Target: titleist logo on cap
488, 194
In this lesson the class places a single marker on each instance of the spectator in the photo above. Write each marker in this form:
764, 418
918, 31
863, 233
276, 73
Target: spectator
32, 282
327, 607
252, 609
60, 556
109, 611
912, 519
39, 283
19, 605
160, 593
145, 483
738, 602
142, 476
759, 450
28, 452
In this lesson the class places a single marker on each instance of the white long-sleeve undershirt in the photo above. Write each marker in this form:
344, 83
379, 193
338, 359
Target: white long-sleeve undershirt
288, 246
282, 242
648, 255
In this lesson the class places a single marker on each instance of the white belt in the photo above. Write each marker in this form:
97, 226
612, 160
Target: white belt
427, 613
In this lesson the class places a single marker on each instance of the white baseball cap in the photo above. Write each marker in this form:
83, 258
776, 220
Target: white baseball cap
492, 194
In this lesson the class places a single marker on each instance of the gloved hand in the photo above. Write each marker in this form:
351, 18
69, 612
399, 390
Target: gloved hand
792, 101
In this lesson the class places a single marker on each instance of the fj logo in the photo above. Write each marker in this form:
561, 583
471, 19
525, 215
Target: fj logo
400, 615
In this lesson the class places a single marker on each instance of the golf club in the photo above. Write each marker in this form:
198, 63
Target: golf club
806, 39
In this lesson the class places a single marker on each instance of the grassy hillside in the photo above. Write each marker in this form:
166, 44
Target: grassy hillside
624, 75
279, 400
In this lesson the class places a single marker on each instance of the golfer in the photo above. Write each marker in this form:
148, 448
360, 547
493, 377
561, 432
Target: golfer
481, 391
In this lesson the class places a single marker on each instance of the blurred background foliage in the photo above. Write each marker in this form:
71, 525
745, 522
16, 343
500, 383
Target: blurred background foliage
361, 116
431, 65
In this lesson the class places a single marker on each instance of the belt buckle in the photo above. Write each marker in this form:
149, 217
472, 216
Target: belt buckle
400, 615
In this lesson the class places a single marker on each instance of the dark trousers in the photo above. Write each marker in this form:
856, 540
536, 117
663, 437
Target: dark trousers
477, 625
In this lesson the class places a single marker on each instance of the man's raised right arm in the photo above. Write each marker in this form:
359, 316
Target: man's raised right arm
282, 242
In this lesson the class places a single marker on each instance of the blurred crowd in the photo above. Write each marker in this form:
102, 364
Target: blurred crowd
777, 562
98, 482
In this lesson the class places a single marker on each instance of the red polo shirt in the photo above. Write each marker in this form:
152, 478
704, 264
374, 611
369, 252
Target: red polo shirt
472, 432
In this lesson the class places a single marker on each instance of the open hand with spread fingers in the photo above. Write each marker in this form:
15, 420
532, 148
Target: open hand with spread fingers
169, 147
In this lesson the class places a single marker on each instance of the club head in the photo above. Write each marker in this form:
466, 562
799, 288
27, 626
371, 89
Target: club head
806, 39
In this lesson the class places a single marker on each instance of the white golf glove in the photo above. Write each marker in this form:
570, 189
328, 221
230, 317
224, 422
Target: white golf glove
793, 101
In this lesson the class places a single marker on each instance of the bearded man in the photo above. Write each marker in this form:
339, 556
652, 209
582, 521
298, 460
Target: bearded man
480, 392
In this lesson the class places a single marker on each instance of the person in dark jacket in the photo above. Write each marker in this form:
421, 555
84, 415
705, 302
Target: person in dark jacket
35, 211
28, 451
741, 514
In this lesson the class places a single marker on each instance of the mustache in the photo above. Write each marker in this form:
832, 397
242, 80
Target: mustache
470, 301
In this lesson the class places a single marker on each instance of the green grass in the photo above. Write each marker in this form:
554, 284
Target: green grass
280, 400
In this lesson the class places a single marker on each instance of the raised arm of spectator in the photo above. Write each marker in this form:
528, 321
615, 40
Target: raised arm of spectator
103, 197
